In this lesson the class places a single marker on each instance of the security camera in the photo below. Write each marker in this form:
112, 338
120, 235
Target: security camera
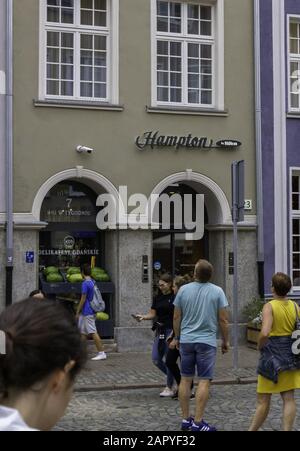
84, 149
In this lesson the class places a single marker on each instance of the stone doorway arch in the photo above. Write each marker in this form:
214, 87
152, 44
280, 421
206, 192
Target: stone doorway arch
92, 179
218, 208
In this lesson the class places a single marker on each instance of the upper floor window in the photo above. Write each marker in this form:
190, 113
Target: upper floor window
185, 54
295, 228
294, 65
78, 54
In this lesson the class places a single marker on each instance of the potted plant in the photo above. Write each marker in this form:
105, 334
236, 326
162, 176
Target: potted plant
253, 313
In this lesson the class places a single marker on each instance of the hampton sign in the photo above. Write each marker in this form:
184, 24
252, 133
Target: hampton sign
154, 139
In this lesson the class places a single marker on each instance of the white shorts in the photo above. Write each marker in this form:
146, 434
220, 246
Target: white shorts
87, 325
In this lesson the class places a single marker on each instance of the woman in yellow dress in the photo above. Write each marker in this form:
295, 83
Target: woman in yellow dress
278, 368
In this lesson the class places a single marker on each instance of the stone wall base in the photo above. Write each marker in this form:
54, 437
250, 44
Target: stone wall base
134, 339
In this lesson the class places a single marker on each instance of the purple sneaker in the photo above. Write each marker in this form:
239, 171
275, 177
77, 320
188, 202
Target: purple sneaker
186, 425
202, 427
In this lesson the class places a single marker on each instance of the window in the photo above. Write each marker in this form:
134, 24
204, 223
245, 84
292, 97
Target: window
295, 228
79, 50
294, 65
185, 54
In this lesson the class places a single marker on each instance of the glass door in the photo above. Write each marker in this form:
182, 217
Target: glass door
174, 254
187, 253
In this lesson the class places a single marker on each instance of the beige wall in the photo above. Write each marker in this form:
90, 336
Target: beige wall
45, 138
25, 277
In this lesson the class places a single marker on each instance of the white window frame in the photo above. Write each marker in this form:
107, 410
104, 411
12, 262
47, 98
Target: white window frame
294, 214
112, 31
218, 86
291, 57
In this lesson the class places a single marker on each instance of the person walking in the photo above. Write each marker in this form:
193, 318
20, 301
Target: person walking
200, 307
43, 353
278, 369
86, 315
173, 353
162, 311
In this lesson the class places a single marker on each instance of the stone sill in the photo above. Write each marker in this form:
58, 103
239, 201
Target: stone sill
229, 227
293, 115
77, 105
186, 111
25, 226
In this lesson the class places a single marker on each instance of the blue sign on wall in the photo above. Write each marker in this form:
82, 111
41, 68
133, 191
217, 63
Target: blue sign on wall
30, 257
157, 266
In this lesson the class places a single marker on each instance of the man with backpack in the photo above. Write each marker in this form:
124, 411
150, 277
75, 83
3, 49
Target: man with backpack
86, 314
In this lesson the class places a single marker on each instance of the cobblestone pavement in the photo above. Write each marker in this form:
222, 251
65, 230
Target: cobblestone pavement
230, 408
136, 369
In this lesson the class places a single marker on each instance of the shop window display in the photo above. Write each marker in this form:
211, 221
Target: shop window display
70, 240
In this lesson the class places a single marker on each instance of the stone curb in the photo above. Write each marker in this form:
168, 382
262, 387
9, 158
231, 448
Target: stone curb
122, 387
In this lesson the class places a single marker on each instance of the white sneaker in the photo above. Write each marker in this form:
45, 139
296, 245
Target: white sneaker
100, 356
167, 393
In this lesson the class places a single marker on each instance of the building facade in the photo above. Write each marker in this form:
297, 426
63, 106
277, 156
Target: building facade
2, 139
280, 56
161, 92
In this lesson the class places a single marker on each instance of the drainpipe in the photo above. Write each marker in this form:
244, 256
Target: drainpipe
9, 152
259, 170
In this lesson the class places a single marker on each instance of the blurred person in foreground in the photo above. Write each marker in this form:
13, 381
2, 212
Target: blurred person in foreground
41, 353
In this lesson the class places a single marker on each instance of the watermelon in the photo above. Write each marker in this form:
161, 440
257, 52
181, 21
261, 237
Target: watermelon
101, 277
96, 269
97, 276
96, 272
101, 316
73, 270
75, 278
54, 278
51, 270
104, 278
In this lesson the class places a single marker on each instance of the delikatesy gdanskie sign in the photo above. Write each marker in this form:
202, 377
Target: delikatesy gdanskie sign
154, 139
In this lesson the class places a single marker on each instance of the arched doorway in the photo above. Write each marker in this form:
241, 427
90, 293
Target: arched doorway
173, 251
217, 204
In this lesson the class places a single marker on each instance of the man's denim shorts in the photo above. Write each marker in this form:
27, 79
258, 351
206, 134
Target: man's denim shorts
201, 355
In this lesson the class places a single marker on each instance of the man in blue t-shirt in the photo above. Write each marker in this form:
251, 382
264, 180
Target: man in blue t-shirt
200, 310
86, 315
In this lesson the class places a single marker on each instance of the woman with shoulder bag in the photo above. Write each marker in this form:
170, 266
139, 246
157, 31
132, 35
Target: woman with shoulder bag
278, 368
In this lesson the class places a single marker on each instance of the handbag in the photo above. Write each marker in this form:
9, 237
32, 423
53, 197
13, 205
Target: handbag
296, 334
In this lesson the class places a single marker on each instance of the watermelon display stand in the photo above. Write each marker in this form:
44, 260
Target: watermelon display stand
104, 328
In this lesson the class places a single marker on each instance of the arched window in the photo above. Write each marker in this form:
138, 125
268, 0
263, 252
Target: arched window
71, 237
